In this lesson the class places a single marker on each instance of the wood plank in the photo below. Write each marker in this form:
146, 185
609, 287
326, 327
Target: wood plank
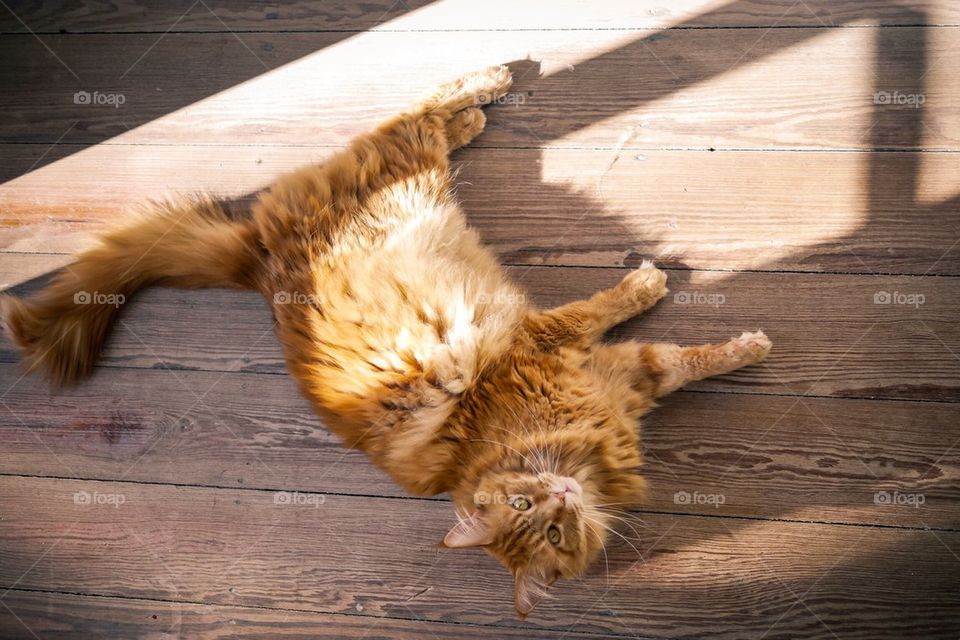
850, 212
206, 428
137, 15
230, 429
811, 460
857, 349
745, 577
694, 88
66, 616
831, 336
150, 427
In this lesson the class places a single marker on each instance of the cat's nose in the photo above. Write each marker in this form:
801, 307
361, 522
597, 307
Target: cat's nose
560, 495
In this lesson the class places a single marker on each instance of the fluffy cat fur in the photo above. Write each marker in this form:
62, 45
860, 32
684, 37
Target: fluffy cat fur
409, 339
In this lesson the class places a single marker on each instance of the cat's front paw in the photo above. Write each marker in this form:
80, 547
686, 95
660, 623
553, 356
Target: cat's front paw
646, 283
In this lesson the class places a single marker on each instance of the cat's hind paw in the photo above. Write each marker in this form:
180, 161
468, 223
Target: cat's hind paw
752, 346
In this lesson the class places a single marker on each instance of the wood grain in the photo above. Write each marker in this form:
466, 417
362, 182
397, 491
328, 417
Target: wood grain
733, 579
694, 88
770, 457
831, 338
742, 144
68, 616
137, 15
822, 212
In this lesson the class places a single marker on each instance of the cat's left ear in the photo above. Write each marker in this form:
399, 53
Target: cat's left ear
528, 591
470, 532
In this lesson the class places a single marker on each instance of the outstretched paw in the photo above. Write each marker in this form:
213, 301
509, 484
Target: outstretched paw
471, 90
646, 283
751, 347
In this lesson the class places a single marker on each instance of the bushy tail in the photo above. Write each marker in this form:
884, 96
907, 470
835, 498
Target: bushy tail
194, 243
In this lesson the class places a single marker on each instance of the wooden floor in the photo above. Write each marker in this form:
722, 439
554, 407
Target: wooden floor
793, 165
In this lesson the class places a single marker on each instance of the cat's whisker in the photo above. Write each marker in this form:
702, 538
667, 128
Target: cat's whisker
618, 507
618, 513
614, 532
545, 466
636, 533
540, 468
627, 522
603, 547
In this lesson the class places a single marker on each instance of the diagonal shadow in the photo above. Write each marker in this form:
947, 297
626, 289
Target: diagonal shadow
36, 81
887, 197
892, 181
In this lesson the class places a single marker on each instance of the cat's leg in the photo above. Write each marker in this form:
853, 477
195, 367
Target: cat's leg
457, 104
416, 142
657, 369
584, 321
471, 90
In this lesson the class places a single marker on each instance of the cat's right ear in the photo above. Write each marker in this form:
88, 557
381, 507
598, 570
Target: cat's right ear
469, 532
529, 590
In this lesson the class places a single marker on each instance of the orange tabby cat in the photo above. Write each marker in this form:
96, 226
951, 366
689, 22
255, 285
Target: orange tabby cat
410, 341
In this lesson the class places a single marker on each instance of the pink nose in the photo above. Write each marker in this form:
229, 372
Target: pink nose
561, 496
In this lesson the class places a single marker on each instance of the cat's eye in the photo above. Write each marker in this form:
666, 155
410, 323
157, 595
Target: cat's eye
520, 504
553, 535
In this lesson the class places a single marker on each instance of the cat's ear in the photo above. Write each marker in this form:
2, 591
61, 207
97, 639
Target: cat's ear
528, 591
469, 532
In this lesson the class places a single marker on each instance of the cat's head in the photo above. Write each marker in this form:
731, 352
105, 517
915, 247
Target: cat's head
541, 526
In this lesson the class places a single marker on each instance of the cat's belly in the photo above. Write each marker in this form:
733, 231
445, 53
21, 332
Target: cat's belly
384, 338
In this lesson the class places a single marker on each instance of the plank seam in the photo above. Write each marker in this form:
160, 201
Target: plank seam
163, 366
485, 147
313, 611
375, 29
891, 274
830, 523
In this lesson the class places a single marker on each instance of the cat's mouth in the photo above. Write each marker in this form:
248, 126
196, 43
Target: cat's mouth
564, 489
